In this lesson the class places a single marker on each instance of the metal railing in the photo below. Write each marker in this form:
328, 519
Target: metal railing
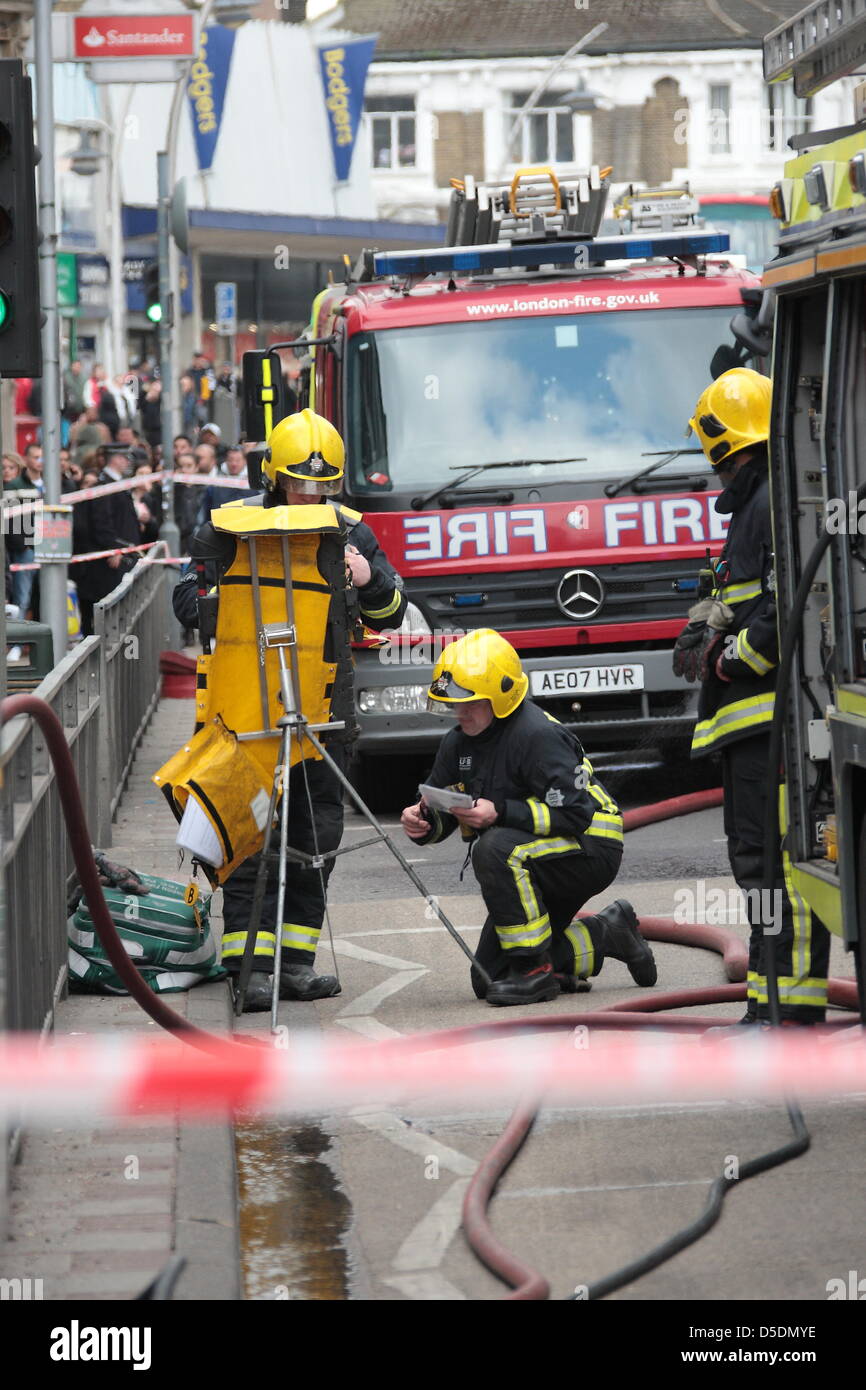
134, 622
104, 693
36, 859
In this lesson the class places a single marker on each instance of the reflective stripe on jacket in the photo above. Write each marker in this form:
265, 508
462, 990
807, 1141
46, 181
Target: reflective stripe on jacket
741, 705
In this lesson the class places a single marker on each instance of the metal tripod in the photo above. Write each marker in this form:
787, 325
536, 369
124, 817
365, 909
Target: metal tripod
293, 723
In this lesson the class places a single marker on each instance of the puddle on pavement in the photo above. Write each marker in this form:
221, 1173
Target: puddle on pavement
294, 1216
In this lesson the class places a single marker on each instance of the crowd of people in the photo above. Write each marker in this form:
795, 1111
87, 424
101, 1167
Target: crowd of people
111, 430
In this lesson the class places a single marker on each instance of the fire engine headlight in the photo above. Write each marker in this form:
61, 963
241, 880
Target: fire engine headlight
393, 699
857, 174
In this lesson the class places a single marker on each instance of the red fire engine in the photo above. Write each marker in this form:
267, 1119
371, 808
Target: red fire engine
514, 408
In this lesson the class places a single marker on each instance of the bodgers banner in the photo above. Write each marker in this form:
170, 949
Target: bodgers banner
206, 89
344, 74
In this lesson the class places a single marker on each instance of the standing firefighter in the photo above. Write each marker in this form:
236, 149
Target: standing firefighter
545, 836
731, 646
303, 465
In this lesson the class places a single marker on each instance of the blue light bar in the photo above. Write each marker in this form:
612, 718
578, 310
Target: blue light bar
532, 255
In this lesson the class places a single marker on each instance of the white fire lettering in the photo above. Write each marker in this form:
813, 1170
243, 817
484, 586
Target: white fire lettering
681, 521
425, 537
619, 516
719, 522
471, 529
530, 522
684, 513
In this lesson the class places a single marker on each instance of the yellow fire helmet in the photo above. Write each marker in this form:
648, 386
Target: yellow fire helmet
732, 414
307, 450
479, 666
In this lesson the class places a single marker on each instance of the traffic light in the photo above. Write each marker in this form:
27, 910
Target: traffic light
20, 313
152, 306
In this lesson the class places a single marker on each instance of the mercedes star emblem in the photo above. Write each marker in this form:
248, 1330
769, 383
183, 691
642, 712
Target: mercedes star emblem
580, 594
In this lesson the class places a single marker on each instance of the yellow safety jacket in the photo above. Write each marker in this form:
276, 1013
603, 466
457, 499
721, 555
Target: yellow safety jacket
288, 565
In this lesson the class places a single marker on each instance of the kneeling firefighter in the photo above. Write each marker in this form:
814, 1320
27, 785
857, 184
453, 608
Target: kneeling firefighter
544, 834
303, 465
731, 646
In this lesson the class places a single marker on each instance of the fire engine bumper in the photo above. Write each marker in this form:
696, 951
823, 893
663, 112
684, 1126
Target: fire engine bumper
614, 700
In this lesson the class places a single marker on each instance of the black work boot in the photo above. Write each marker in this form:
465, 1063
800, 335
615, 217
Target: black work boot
530, 980
760, 1026
733, 1030
573, 984
259, 993
302, 982
623, 941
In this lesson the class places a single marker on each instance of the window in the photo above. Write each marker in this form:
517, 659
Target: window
720, 118
605, 387
544, 136
78, 196
392, 125
786, 115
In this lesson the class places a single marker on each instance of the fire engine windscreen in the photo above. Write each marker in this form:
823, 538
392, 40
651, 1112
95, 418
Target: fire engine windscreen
608, 386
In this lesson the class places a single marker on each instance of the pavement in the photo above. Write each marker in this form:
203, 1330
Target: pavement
96, 1212
366, 1204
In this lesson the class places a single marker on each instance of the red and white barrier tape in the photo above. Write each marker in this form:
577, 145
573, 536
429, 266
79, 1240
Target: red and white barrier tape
87, 494
125, 1078
104, 554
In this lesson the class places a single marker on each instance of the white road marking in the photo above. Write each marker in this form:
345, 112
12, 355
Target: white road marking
425, 1247
370, 1000
347, 948
401, 931
426, 1244
613, 1187
369, 1028
427, 1286
391, 1127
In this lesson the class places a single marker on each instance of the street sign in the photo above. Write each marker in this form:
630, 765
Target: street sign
112, 36
138, 43
67, 280
226, 308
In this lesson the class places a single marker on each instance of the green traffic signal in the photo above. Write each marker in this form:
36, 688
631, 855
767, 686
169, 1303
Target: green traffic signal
154, 313
5, 310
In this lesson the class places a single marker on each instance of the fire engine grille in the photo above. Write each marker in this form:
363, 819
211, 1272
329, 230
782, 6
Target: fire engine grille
527, 598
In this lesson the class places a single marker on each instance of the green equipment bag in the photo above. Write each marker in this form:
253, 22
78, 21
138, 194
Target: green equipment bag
168, 940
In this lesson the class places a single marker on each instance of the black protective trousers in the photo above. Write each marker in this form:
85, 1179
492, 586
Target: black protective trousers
304, 908
802, 940
533, 889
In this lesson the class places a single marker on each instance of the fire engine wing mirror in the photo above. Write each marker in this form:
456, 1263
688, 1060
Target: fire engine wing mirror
724, 358
753, 326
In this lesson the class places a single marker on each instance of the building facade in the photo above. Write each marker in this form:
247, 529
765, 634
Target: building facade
672, 91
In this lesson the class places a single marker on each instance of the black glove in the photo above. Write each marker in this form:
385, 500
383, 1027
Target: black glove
696, 648
689, 650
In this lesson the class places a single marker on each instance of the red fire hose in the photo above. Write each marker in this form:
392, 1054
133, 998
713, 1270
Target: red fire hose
526, 1284
79, 839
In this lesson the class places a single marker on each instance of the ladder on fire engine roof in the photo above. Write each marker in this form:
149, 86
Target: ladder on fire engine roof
826, 40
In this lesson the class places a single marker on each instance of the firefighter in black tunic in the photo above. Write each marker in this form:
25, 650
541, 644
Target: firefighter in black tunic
731, 646
304, 464
544, 834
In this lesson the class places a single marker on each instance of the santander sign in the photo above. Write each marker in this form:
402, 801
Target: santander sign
134, 36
